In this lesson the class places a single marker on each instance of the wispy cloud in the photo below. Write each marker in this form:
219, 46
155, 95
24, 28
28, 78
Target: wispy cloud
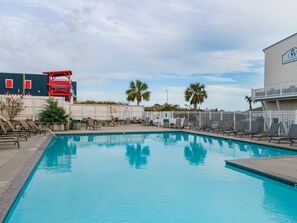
169, 43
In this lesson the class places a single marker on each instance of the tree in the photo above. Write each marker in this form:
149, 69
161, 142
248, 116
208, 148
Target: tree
196, 94
169, 107
53, 113
249, 100
138, 91
12, 106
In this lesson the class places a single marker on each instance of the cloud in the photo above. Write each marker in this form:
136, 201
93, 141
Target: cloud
172, 42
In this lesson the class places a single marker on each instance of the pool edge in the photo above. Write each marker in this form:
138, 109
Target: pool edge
261, 172
9, 196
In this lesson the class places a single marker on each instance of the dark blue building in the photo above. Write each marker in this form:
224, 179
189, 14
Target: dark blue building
27, 84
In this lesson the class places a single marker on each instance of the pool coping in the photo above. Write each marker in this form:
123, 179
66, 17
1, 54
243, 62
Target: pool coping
240, 163
8, 198
285, 179
10, 195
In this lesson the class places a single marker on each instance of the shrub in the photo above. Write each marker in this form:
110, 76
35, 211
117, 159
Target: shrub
53, 113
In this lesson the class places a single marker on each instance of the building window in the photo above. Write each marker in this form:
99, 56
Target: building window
28, 84
8, 83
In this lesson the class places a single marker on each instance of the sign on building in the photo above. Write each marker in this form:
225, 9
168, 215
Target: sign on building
290, 56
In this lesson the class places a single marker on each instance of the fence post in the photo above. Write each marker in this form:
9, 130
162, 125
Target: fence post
200, 119
34, 108
209, 115
221, 115
82, 112
188, 115
270, 118
295, 121
107, 108
95, 111
250, 121
234, 120
119, 112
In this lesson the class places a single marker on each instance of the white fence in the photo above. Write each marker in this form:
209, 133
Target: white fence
285, 118
106, 112
35, 104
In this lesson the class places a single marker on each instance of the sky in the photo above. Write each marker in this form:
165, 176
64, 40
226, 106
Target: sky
168, 44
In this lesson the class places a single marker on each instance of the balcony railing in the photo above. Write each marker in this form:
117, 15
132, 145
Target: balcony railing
281, 91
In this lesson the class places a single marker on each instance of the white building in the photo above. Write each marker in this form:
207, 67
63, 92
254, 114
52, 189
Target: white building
280, 77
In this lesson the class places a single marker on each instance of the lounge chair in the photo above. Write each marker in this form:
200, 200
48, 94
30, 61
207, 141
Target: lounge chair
207, 126
91, 123
240, 128
218, 127
293, 141
196, 126
12, 129
193, 125
292, 135
134, 120
7, 139
25, 126
184, 125
272, 132
254, 129
114, 122
12, 134
177, 123
128, 121
146, 122
228, 126
35, 127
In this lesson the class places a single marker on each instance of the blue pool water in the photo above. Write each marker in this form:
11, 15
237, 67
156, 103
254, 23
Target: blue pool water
147, 178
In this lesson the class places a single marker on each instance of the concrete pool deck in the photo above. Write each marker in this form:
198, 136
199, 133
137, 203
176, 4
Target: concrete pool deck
17, 164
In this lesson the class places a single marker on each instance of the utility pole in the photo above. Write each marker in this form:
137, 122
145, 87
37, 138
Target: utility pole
167, 96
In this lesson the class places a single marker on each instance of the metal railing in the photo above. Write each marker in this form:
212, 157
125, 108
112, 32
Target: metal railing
284, 90
285, 118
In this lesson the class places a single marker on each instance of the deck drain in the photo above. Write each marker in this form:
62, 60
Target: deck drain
33, 149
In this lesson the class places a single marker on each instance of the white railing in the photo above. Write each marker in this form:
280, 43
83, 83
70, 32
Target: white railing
285, 118
284, 90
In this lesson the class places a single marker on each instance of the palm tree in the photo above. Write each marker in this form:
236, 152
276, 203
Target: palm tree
249, 100
196, 94
139, 91
169, 107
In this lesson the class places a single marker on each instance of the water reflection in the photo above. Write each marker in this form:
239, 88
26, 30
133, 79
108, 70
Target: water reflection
279, 204
137, 155
195, 148
170, 138
58, 157
108, 140
195, 153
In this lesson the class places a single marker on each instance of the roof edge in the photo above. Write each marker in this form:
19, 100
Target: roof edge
21, 73
279, 42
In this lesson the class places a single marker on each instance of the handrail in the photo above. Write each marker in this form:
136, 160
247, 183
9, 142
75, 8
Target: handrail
51, 132
280, 90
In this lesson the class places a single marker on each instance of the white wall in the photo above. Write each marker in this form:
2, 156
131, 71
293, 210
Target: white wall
105, 112
277, 73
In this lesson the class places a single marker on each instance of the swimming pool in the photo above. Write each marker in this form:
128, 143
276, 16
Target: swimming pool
151, 177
